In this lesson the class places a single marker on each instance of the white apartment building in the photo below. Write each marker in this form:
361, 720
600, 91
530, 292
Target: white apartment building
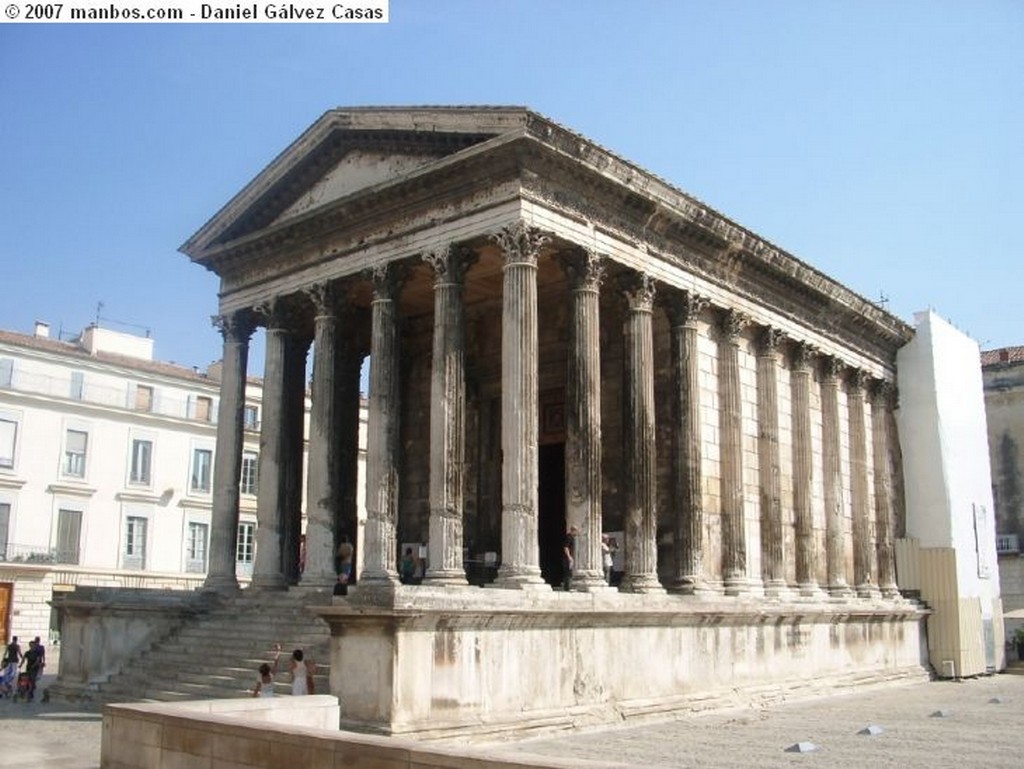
106, 469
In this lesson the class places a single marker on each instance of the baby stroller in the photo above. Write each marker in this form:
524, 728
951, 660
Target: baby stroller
23, 690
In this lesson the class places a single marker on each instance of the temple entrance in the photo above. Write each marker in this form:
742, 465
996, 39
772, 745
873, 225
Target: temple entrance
551, 511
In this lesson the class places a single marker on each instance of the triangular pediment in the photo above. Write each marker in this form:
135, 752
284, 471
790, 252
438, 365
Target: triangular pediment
358, 169
347, 151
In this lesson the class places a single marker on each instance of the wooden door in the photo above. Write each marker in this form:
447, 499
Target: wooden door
6, 595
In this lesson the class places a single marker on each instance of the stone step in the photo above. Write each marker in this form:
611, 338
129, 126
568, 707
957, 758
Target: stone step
217, 654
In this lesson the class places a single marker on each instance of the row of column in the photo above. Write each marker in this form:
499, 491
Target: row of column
331, 434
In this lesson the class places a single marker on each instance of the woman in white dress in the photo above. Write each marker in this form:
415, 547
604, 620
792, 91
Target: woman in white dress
302, 673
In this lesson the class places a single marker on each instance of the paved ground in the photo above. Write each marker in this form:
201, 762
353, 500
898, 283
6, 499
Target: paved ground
975, 732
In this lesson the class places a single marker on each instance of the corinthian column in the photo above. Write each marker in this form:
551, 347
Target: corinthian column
227, 468
882, 398
641, 459
322, 490
380, 550
863, 555
583, 418
447, 417
268, 570
520, 559
835, 551
684, 308
772, 569
803, 469
734, 540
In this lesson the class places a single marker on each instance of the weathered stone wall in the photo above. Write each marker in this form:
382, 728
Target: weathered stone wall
1004, 410
468, 662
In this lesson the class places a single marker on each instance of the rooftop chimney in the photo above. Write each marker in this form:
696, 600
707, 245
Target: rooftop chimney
1004, 355
42, 330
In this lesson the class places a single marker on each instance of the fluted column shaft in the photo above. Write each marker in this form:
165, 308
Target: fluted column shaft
684, 309
380, 549
447, 418
227, 468
881, 405
835, 551
349, 349
641, 459
270, 501
863, 556
772, 567
583, 418
803, 469
296, 354
520, 557
322, 488
734, 540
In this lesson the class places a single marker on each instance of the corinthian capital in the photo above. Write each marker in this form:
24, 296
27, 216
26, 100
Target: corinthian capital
585, 269
387, 280
638, 288
520, 242
684, 307
768, 341
732, 325
324, 297
449, 262
234, 327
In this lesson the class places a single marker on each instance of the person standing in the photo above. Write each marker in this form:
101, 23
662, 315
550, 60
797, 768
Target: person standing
345, 553
9, 669
265, 685
568, 557
34, 660
302, 673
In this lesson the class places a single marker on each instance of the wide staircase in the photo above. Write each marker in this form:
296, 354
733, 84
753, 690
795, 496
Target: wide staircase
218, 654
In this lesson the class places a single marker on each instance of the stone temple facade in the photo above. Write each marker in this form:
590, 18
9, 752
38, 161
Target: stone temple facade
556, 338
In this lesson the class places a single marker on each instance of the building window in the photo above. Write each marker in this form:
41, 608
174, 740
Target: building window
195, 547
5, 530
250, 472
204, 408
6, 372
202, 463
135, 542
69, 535
143, 398
77, 385
142, 460
8, 441
74, 453
251, 420
245, 548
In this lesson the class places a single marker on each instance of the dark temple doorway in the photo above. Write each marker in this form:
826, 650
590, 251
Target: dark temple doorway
551, 511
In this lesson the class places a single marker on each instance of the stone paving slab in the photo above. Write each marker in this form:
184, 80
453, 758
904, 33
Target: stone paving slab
976, 732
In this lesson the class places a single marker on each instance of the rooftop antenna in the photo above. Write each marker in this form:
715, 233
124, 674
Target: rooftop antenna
883, 300
99, 309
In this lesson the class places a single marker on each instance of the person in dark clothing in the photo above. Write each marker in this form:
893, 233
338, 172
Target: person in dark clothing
34, 660
568, 557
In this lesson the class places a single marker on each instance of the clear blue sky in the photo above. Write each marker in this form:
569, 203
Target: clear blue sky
882, 142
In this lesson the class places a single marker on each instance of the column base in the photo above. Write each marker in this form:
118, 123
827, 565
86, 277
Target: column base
528, 579
776, 588
641, 583
318, 580
839, 589
269, 582
691, 585
454, 577
811, 590
222, 585
869, 591
891, 593
735, 586
591, 583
